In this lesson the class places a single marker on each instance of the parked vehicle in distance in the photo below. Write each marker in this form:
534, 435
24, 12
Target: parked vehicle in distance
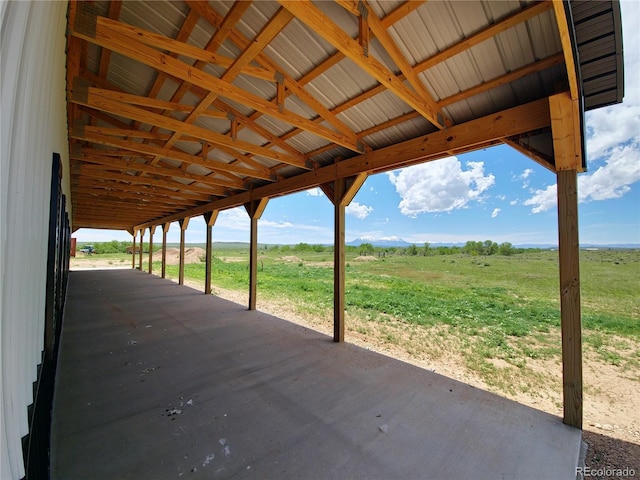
88, 249
130, 250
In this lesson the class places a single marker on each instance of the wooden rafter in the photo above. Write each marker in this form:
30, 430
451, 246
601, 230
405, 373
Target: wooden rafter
324, 27
108, 37
92, 98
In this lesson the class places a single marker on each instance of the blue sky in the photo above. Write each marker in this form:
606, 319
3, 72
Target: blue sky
495, 194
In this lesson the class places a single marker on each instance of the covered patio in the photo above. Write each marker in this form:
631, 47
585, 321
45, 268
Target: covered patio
181, 109
156, 380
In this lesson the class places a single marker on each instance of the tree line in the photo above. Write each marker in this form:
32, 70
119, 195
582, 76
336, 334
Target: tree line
488, 247
474, 248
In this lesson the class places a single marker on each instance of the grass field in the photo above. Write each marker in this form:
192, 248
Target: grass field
501, 309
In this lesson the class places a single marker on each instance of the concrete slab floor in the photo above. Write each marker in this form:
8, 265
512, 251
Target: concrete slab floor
158, 381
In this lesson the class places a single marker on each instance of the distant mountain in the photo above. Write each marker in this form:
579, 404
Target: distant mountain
379, 242
399, 242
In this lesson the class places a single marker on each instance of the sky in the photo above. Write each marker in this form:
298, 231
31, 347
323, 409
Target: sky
493, 194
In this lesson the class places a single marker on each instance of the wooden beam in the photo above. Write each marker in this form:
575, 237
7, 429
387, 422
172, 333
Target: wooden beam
569, 253
567, 47
565, 129
133, 148
152, 230
389, 44
184, 223
273, 27
168, 171
133, 252
536, 157
292, 86
461, 138
322, 25
93, 173
254, 208
165, 230
340, 192
91, 97
401, 11
105, 35
491, 31
338, 261
210, 219
141, 249
538, 66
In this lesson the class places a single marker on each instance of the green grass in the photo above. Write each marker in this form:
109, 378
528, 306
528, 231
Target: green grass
514, 296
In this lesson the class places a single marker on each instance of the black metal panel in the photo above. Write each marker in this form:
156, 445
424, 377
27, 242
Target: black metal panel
598, 32
36, 444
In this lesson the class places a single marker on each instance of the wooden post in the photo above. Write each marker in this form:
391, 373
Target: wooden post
339, 266
165, 230
152, 230
569, 252
254, 208
567, 147
184, 223
340, 192
210, 219
141, 249
133, 251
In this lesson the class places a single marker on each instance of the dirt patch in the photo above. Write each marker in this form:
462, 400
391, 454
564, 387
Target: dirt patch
291, 258
234, 259
365, 258
191, 255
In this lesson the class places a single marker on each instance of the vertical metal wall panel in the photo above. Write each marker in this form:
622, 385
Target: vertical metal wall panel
33, 128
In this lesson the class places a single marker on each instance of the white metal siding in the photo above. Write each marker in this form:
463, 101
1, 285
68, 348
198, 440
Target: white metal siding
33, 128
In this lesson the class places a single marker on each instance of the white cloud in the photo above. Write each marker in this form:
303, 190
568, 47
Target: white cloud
524, 175
513, 203
235, 218
495, 212
440, 186
358, 210
543, 200
612, 180
269, 223
314, 192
